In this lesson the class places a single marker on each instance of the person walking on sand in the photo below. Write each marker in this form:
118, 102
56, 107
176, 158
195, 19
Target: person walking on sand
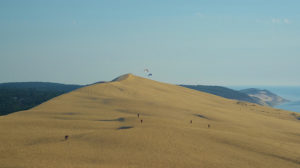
208, 126
138, 114
191, 121
141, 121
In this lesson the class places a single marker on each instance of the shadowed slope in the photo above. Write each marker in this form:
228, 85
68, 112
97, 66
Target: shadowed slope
104, 130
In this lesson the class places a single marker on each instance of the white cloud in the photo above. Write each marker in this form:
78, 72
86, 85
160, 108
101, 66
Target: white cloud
276, 20
199, 14
286, 21
280, 21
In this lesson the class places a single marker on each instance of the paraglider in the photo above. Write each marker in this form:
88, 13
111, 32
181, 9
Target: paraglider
147, 73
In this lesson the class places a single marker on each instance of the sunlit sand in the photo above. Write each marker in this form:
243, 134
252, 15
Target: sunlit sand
100, 126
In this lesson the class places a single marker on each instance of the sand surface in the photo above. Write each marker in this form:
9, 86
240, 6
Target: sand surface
105, 132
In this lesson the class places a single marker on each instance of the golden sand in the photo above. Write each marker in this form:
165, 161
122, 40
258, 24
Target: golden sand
104, 130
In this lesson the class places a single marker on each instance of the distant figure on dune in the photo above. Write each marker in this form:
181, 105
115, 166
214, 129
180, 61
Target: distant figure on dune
138, 114
208, 126
191, 121
66, 137
141, 121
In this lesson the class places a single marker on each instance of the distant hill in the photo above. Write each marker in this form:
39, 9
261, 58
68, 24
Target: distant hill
226, 93
252, 95
266, 96
40, 86
25, 95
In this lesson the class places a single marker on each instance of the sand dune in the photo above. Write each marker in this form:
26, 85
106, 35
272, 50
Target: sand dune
104, 130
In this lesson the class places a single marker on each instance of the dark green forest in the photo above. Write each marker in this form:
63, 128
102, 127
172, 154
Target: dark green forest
25, 95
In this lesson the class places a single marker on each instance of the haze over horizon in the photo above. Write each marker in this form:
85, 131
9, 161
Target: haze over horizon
180, 42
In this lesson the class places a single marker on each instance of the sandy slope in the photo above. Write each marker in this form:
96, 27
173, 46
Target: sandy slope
104, 130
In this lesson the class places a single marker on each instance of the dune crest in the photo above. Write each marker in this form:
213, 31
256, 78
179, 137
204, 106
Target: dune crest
123, 77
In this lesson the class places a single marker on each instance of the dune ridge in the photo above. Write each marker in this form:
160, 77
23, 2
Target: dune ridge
181, 128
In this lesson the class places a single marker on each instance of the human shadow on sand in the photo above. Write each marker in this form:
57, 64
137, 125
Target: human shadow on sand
121, 119
124, 127
201, 116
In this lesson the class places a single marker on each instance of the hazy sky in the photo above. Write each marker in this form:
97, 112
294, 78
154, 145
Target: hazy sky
218, 42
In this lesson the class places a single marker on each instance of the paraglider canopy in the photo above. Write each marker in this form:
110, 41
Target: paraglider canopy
147, 72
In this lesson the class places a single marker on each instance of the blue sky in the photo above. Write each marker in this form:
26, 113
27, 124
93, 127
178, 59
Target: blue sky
216, 42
